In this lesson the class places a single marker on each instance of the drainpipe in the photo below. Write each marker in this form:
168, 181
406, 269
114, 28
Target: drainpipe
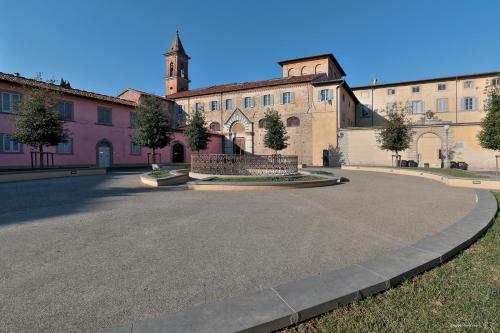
456, 100
338, 115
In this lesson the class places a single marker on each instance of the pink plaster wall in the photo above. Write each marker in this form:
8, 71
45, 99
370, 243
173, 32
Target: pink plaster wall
86, 134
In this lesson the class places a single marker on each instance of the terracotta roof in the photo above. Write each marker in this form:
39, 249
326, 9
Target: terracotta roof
70, 91
435, 79
319, 56
244, 86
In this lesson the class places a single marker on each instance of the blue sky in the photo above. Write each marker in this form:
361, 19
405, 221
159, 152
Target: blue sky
106, 46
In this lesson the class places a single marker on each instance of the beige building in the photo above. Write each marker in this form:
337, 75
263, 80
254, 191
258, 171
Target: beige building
446, 109
327, 121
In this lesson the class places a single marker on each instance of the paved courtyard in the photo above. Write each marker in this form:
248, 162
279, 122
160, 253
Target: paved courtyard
83, 253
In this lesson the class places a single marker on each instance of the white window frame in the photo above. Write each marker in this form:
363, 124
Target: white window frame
468, 103
214, 105
198, 107
267, 100
247, 102
325, 95
11, 144
414, 106
287, 97
391, 91
495, 81
469, 84
228, 103
440, 102
13, 98
391, 107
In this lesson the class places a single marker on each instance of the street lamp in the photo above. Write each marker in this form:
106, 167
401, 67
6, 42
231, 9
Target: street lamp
446, 153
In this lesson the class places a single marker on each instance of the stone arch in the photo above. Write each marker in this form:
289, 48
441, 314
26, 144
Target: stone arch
429, 145
293, 122
303, 70
317, 69
239, 125
290, 72
214, 126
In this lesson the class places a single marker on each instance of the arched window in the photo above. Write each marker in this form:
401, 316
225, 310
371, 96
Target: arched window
293, 122
171, 69
182, 70
262, 123
290, 72
303, 71
317, 69
215, 126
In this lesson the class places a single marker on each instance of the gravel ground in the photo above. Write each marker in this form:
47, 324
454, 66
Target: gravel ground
77, 254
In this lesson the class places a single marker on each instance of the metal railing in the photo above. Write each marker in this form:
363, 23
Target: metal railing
224, 164
41, 160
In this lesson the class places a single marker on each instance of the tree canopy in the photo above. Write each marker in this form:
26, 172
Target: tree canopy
489, 136
396, 133
275, 138
38, 123
151, 125
197, 132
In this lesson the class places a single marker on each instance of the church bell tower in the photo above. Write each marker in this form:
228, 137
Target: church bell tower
176, 78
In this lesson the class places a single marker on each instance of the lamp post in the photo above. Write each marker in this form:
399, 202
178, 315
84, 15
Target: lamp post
446, 152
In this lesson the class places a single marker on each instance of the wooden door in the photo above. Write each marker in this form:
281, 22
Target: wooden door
239, 146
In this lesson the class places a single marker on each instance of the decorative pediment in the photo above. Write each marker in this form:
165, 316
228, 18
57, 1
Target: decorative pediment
238, 117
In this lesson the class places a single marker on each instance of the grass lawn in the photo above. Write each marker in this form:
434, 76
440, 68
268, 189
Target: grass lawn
160, 174
462, 295
265, 179
451, 172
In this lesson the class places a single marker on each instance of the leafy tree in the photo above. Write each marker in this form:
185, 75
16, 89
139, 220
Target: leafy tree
275, 137
152, 127
197, 132
65, 84
396, 132
489, 136
38, 122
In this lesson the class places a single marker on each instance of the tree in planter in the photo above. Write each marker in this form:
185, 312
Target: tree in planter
489, 136
275, 138
396, 133
152, 127
197, 132
38, 123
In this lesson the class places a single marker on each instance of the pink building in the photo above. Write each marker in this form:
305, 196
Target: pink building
99, 129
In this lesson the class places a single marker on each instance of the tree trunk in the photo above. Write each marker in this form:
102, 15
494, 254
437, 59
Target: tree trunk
40, 149
154, 156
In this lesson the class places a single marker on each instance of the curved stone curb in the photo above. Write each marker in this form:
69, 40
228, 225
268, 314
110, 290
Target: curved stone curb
475, 183
242, 186
274, 308
178, 177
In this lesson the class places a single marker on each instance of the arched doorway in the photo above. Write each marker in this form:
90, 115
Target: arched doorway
104, 154
429, 150
238, 131
177, 153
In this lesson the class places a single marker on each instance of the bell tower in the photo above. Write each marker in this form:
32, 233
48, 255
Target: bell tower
176, 78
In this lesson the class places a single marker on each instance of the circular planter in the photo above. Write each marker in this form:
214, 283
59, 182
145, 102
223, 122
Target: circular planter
177, 177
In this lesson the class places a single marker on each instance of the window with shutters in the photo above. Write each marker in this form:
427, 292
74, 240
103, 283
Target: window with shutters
415, 89
293, 122
325, 95
469, 84
495, 81
104, 116
65, 109
442, 105
287, 98
469, 103
417, 107
198, 107
247, 102
8, 145
267, 100
9, 101
65, 146
229, 104
214, 105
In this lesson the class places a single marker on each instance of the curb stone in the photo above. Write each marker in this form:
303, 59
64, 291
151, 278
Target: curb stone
274, 308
